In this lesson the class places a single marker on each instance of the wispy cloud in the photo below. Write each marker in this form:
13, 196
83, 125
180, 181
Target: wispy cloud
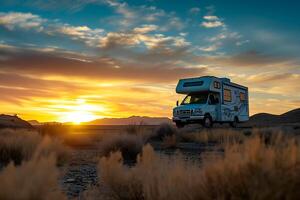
145, 29
131, 16
212, 23
211, 18
12, 20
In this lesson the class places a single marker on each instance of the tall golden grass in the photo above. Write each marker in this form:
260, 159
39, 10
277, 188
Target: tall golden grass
22, 145
34, 179
252, 169
29, 165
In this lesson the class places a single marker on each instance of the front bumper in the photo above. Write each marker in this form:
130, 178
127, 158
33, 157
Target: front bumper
188, 119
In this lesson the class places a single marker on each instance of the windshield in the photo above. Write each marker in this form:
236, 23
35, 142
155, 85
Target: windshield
195, 99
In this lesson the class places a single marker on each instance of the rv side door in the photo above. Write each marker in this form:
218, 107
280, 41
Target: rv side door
214, 106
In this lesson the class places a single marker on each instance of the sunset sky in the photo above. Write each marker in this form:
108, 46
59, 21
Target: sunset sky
66, 60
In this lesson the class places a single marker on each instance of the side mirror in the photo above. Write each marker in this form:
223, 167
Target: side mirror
177, 103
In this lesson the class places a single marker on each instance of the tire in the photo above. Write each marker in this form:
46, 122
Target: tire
207, 122
234, 123
179, 124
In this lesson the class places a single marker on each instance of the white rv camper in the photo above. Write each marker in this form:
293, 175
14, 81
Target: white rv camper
210, 99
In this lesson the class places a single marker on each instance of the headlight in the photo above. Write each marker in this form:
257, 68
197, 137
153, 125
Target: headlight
197, 111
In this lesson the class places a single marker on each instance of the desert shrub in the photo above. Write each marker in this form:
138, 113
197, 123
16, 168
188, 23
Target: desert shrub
21, 145
148, 179
17, 145
129, 145
170, 141
33, 179
248, 170
164, 130
135, 129
54, 129
254, 170
55, 146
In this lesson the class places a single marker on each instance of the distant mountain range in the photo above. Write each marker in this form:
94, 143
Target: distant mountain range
130, 120
266, 119
260, 119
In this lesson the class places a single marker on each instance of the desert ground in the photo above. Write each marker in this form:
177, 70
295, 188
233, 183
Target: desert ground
54, 161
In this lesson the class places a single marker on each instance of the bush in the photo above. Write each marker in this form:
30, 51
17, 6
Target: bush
53, 129
33, 179
164, 130
129, 146
22, 145
249, 170
170, 141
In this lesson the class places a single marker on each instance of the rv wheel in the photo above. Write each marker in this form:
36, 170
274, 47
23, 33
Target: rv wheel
234, 123
207, 122
179, 124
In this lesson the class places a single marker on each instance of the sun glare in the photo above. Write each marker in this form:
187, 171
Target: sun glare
80, 112
78, 117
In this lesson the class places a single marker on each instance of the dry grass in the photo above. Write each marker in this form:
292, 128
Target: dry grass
252, 169
170, 141
54, 129
131, 142
164, 130
34, 179
213, 136
30, 165
22, 145
129, 145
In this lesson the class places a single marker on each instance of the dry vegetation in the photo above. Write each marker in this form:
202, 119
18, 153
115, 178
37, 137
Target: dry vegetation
29, 163
254, 164
259, 167
33, 179
22, 145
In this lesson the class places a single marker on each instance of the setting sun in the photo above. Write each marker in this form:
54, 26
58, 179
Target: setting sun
78, 117
80, 111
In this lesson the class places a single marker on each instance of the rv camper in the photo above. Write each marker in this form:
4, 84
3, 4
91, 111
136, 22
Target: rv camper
210, 99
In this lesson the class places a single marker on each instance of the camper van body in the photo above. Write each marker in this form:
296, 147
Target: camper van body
210, 99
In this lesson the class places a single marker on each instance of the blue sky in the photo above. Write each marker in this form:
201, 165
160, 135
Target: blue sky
145, 46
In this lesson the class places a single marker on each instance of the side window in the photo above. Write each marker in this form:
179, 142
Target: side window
242, 96
217, 85
227, 95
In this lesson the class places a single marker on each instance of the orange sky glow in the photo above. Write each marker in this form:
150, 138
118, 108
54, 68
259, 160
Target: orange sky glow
76, 61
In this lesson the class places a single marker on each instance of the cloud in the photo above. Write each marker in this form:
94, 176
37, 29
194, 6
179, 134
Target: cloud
271, 77
131, 16
59, 64
255, 59
240, 43
30, 22
145, 29
139, 36
14, 20
213, 47
211, 17
83, 33
213, 24
224, 38
212, 21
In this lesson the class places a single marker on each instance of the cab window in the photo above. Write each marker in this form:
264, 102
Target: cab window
227, 95
195, 99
